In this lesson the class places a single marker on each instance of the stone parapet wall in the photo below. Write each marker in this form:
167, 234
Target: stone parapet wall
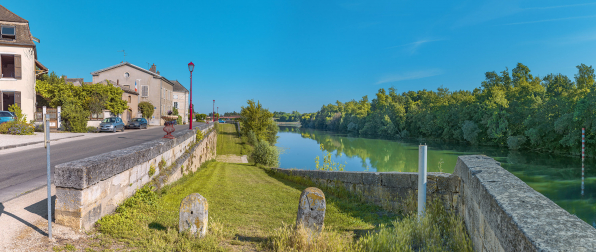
501, 212
91, 188
386, 189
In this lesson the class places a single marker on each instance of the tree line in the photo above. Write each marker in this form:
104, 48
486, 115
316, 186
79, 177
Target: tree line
516, 109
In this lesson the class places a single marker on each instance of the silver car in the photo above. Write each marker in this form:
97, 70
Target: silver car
112, 124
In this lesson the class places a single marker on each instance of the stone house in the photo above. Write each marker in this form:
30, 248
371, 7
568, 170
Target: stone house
18, 63
149, 85
181, 96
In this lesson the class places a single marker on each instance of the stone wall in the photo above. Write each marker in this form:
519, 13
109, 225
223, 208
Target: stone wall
501, 212
386, 189
93, 187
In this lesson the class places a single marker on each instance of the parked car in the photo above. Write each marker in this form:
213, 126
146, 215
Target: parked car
6, 116
222, 121
137, 123
112, 124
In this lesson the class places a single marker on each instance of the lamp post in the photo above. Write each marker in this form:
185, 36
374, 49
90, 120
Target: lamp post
191, 67
218, 113
213, 113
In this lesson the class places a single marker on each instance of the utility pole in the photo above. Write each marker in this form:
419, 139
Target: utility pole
46, 141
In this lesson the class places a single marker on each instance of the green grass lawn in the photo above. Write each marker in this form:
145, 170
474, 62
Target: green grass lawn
228, 141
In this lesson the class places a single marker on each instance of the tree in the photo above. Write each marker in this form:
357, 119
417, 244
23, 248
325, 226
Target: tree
146, 109
259, 120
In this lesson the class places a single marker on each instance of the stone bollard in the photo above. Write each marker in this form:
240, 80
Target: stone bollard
194, 212
311, 209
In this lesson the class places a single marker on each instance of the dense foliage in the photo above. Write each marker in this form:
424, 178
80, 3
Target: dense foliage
287, 117
19, 126
78, 102
146, 109
261, 132
517, 110
259, 120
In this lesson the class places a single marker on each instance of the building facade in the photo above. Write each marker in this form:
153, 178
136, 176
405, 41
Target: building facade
150, 85
18, 59
180, 99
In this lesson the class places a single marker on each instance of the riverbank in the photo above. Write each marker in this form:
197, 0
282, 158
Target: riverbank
252, 210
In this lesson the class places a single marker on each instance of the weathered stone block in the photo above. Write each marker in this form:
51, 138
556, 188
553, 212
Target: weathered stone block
371, 178
194, 215
311, 209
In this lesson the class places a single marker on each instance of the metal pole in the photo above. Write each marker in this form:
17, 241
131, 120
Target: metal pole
191, 115
213, 113
47, 145
583, 155
422, 164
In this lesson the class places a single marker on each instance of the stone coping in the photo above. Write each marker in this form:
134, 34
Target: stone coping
521, 218
82, 173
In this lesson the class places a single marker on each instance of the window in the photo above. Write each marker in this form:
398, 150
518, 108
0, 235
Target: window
144, 91
8, 32
175, 104
10, 66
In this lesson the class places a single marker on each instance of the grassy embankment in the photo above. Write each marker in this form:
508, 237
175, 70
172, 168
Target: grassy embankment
252, 210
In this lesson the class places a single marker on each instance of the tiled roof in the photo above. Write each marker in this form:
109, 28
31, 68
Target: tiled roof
22, 33
178, 87
6, 15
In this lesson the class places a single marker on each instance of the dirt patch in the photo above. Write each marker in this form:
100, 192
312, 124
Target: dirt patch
232, 158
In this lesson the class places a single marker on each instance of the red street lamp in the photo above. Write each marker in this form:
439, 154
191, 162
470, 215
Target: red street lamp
191, 67
213, 113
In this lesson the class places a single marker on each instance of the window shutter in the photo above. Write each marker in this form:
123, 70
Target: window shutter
17, 98
1, 100
145, 91
17, 67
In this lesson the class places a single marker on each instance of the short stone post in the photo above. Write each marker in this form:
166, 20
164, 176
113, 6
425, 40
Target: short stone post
194, 213
311, 209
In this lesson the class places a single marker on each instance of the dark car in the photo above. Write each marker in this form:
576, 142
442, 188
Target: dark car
6, 116
137, 123
112, 124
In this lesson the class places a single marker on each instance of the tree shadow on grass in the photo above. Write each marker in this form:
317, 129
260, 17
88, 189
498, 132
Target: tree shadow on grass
157, 226
351, 206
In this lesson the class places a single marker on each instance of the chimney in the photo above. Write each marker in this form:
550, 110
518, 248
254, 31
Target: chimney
152, 69
157, 72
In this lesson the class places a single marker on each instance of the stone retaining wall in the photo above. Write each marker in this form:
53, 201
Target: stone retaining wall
93, 187
501, 212
387, 189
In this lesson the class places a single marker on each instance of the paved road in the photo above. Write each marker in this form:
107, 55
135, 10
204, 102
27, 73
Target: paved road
23, 171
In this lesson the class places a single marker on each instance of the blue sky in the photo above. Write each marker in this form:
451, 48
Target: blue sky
299, 55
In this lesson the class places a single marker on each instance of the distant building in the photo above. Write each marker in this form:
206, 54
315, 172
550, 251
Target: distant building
149, 84
181, 96
18, 63
75, 81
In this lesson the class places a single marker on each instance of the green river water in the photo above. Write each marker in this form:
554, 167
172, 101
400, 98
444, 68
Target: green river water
557, 177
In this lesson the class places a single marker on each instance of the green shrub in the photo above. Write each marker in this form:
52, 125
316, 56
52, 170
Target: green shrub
91, 129
151, 170
75, 117
199, 135
146, 109
179, 120
265, 154
19, 126
251, 138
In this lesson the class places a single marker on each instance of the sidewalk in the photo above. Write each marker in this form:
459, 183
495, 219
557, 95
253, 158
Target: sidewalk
13, 141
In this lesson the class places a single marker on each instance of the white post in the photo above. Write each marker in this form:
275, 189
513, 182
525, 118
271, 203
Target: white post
46, 136
59, 116
583, 156
421, 180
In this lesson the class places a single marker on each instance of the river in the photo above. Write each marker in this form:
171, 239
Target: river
557, 177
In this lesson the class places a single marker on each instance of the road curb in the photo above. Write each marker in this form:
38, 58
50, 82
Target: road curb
30, 143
